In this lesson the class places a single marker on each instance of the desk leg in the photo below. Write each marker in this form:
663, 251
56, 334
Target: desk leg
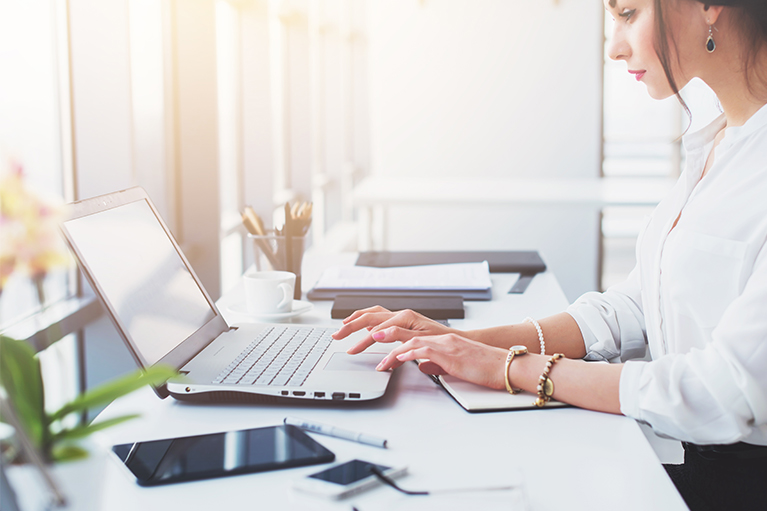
383, 214
365, 237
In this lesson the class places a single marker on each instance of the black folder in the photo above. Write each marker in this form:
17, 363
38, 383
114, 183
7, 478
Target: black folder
431, 306
526, 262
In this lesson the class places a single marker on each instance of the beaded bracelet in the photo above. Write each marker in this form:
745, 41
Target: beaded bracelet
540, 333
545, 385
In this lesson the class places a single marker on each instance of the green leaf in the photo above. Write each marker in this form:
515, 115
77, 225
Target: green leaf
21, 378
67, 452
110, 391
84, 431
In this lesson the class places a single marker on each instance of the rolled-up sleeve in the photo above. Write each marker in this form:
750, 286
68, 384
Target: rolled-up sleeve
612, 323
716, 394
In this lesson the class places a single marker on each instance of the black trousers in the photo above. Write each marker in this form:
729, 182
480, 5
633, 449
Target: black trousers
709, 482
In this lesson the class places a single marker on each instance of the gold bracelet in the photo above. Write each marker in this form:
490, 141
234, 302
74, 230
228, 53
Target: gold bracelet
514, 350
545, 385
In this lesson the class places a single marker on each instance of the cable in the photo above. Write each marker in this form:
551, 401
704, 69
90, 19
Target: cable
387, 480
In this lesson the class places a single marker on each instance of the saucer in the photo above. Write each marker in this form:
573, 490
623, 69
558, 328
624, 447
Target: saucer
299, 307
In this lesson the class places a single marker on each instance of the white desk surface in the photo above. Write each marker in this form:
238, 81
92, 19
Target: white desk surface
567, 458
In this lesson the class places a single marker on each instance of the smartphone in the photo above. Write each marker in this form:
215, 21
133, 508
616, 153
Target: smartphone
191, 458
346, 479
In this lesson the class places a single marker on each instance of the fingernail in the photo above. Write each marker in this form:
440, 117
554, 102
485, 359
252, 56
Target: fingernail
401, 357
379, 366
379, 335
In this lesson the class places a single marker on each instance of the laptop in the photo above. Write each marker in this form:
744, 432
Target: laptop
165, 316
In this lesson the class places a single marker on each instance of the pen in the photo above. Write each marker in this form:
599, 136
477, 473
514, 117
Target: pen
325, 429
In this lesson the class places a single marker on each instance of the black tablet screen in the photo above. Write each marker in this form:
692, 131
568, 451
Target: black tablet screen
221, 454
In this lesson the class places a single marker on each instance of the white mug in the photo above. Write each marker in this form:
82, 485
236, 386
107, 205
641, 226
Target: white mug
269, 292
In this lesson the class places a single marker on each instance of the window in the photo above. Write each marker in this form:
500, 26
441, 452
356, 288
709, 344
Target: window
33, 123
292, 125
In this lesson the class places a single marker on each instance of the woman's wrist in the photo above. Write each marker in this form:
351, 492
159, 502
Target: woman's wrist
506, 336
524, 372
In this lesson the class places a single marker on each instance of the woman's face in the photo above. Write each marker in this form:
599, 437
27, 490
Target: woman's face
633, 38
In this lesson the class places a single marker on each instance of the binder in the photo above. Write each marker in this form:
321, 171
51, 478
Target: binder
431, 306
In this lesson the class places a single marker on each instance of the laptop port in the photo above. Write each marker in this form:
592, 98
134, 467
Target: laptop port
299, 393
354, 395
284, 392
319, 394
339, 395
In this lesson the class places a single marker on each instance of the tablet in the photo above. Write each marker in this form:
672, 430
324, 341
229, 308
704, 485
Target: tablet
191, 458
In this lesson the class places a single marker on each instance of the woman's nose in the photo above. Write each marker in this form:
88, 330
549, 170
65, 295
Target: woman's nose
617, 47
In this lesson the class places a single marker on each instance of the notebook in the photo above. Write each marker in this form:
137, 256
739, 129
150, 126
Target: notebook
165, 316
476, 398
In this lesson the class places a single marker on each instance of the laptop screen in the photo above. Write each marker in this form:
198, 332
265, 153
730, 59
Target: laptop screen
142, 275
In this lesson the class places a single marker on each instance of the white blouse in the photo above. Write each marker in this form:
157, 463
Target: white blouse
697, 297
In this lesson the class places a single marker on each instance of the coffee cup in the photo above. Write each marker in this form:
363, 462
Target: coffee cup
269, 292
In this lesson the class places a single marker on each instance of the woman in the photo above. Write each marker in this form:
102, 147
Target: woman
698, 295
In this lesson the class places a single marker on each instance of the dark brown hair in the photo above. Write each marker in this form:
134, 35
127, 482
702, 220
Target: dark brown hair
750, 16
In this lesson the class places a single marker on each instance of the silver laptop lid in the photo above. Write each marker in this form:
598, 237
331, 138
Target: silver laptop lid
134, 264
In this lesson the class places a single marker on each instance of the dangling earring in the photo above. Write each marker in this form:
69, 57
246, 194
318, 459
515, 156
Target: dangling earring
710, 44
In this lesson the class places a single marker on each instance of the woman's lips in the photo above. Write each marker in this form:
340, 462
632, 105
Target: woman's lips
637, 74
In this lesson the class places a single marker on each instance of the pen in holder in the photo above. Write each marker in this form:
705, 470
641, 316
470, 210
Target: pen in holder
272, 251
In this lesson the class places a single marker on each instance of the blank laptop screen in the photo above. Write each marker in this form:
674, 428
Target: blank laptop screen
141, 274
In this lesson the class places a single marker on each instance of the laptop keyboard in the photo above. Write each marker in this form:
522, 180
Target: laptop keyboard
278, 356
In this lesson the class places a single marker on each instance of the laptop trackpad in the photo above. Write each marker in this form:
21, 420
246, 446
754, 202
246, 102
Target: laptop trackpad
361, 362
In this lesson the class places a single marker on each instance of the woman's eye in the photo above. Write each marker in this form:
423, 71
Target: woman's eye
627, 14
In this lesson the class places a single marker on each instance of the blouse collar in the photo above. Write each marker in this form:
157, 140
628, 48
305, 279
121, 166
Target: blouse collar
754, 123
733, 134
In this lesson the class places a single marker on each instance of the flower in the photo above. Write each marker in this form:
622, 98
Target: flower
29, 238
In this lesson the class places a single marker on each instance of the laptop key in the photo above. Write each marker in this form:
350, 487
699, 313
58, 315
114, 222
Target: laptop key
278, 357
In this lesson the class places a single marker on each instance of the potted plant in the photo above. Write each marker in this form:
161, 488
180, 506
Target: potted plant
46, 441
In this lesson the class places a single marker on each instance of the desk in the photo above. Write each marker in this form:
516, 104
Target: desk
569, 458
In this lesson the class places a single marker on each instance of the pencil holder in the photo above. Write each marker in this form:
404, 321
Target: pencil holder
275, 252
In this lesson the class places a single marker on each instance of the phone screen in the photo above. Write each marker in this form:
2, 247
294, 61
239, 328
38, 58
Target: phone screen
348, 473
221, 454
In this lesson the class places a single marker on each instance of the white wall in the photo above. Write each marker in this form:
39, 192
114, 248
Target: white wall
490, 88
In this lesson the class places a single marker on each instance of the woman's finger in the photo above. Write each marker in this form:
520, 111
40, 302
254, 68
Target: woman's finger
429, 367
393, 358
354, 315
369, 320
387, 335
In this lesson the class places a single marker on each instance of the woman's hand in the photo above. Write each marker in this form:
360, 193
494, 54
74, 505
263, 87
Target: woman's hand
452, 354
386, 326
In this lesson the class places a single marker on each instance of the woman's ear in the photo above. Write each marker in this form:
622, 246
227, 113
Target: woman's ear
711, 13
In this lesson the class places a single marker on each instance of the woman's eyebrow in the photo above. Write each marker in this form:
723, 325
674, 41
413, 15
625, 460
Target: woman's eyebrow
612, 3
